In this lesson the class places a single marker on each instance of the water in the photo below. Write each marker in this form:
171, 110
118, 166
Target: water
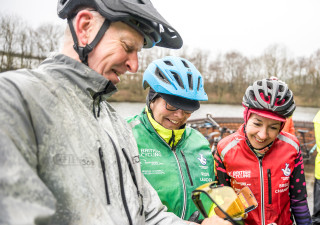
126, 109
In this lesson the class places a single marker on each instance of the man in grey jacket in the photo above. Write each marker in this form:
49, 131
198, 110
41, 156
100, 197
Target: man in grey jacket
66, 157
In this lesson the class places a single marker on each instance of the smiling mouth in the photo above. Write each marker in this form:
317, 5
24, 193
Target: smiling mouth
117, 73
259, 140
173, 121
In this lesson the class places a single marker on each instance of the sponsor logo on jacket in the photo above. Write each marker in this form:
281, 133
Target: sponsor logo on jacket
240, 174
282, 188
202, 159
146, 152
205, 177
73, 160
286, 171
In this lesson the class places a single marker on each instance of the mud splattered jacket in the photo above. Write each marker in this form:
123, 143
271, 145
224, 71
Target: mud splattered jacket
66, 157
277, 180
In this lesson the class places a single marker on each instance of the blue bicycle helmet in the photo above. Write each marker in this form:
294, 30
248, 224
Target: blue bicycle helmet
177, 81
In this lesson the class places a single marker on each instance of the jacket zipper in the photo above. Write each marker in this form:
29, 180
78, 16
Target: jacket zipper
180, 170
182, 177
262, 192
103, 167
134, 179
269, 186
188, 171
123, 194
184, 185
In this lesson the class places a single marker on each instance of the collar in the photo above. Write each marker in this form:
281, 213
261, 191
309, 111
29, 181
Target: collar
79, 74
82, 78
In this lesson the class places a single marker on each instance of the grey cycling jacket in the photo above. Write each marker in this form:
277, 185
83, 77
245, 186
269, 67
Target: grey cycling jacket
66, 157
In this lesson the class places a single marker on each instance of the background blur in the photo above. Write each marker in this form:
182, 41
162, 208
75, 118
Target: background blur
231, 42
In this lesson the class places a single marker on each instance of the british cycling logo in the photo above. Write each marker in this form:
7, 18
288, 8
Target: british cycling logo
287, 170
202, 159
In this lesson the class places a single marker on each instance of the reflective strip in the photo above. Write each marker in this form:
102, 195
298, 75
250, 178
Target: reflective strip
134, 123
228, 147
289, 141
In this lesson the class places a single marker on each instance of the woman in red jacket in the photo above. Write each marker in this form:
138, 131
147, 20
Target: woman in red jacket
267, 160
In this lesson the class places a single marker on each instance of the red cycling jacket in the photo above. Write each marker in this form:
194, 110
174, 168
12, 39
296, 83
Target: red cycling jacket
277, 180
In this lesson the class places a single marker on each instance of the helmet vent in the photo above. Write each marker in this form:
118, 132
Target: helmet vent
168, 63
161, 76
178, 79
281, 88
185, 64
141, 2
199, 82
62, 2
259, 83
266, 98
190, 81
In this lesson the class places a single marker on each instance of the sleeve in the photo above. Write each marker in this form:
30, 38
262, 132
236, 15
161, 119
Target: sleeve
298, 193
24, 199
155, 211
220, 171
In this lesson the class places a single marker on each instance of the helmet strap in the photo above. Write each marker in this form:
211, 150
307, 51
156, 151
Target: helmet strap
151, 96
83, 52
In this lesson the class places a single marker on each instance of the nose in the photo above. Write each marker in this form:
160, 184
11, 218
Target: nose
180, 113
263, 133
132, 63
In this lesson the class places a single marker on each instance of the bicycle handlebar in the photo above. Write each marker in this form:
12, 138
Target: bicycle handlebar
209, 116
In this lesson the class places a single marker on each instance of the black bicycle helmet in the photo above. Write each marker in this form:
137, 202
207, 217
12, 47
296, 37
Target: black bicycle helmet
139, 14
271, 95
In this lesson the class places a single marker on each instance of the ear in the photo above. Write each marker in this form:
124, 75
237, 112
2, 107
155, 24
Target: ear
84, 25
151, 105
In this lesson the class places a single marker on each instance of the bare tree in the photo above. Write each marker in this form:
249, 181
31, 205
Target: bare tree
8, 39
275, 60
48, 37
225, 77
21, 46
235, 65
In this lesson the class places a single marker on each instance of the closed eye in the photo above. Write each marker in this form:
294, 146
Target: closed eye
275, 128
127, 48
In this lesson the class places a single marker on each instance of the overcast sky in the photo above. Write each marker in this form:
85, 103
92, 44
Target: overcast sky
247, 26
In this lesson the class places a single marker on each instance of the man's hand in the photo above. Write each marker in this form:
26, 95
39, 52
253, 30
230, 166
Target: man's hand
215, 220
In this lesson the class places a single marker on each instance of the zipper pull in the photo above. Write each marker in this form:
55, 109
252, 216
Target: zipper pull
172, 140
188, 171
141, 200
269, 186
103, 167
101, 160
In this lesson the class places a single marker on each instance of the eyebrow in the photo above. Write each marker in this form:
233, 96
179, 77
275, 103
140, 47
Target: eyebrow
275, 123
133, 45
